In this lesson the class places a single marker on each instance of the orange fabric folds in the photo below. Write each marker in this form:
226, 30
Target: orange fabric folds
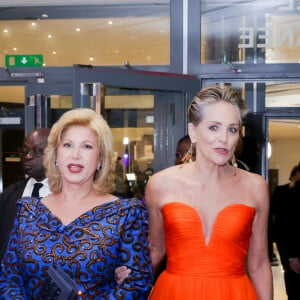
206, 270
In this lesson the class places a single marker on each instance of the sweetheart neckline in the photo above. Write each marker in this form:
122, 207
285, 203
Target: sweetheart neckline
207, 239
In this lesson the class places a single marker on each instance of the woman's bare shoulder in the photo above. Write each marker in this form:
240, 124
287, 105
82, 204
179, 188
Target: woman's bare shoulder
162, 182
253, 178
255, 186
165, 174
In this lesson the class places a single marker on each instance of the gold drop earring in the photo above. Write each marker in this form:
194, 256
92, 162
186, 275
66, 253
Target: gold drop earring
234, 164
188, 155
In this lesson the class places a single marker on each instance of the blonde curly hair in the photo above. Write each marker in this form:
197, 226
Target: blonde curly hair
103, 179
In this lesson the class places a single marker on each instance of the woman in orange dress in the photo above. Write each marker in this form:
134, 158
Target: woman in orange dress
208, 216
214, 215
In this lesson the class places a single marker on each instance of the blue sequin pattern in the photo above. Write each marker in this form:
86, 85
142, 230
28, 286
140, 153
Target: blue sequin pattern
88, 249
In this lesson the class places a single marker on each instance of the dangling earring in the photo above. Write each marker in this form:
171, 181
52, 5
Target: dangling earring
99, 167
234, 164
188, 155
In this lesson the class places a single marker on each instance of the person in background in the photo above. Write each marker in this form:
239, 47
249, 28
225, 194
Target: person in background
31, 154
80, 228
209, 217
238, 154
285, 205
120, 177
183, 146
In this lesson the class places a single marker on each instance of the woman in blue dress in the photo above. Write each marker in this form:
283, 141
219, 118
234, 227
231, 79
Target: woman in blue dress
81, 228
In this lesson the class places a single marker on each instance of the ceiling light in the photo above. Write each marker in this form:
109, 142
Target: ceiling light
77, 29
33, 24
44, 16
5, 30
15, 49
49, 36
110, 22
91, 58
53, 52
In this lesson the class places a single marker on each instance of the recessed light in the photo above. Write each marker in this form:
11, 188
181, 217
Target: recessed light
44, 16
110, 22
49, 36
77, 29
53, 52
33, 24
5, 30
91, 58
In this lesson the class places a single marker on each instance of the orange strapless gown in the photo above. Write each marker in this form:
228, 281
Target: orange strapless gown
196, 270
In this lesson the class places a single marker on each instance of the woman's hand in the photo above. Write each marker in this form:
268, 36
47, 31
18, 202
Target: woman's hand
121, 273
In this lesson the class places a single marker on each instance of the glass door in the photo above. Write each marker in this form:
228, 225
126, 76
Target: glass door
145, 131
130, 114
25, 104
147, 115
45, 103
11, 133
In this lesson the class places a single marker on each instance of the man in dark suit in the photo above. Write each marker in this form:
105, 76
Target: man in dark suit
285, 201
31, 154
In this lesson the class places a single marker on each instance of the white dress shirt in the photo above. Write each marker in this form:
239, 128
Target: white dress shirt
44, 190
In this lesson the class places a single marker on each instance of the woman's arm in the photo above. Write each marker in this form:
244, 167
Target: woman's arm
258, 263
156, 231
156, 225
134, 252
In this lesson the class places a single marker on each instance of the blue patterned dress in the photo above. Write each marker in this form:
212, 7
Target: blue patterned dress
88, 249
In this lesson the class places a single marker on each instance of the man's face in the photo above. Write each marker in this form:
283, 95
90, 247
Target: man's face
181, 150
32, 155
297, 176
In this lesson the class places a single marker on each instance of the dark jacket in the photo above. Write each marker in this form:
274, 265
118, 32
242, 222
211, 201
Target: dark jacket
292, 230
8, 211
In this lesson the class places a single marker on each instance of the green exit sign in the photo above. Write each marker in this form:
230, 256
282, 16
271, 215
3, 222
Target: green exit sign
33, 60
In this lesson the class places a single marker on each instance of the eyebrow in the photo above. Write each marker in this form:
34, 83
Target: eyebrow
219, 123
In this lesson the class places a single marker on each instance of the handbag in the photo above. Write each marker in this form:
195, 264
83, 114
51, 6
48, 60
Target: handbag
57, 286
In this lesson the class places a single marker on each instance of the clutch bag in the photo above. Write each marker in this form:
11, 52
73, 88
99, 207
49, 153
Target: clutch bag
57, 286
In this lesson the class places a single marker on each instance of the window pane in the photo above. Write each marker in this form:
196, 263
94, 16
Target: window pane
95, 41
252, 32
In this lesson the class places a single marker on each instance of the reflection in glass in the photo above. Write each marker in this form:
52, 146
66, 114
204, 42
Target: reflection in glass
129, 113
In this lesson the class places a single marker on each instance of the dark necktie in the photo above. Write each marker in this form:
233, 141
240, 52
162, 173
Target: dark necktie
36, 188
